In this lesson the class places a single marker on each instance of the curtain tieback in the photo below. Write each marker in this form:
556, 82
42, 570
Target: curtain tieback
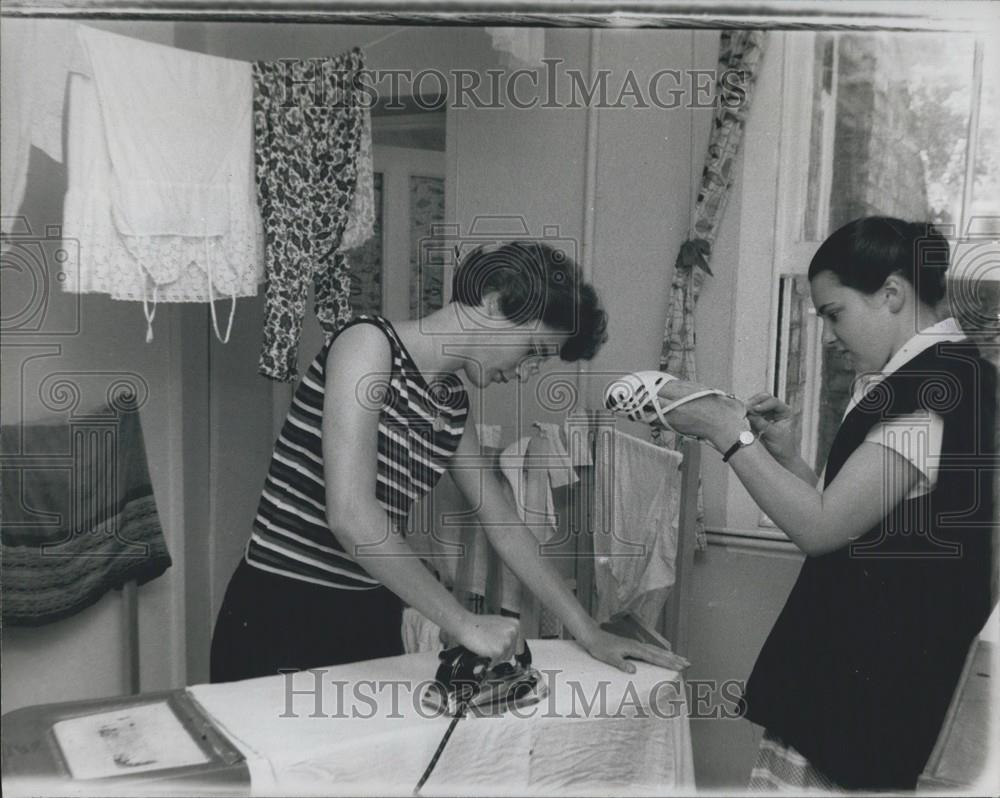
694, 252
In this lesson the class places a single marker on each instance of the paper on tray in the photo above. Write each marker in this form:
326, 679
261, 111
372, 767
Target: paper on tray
130, 740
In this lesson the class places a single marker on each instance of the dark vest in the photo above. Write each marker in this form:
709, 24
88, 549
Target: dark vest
860, 667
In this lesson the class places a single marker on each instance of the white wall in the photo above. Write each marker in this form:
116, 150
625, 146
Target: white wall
532, 164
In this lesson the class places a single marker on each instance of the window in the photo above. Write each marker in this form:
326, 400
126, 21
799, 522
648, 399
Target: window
883, 124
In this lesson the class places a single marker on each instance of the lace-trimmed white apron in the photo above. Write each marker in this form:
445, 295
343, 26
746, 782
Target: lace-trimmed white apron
161, 191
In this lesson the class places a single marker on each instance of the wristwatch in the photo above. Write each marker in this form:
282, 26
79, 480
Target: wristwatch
746, 439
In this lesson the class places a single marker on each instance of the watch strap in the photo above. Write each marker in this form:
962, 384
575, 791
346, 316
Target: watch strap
745, 438
732, 450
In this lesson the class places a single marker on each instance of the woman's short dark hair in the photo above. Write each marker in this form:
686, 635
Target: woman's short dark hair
863, 253
536, 282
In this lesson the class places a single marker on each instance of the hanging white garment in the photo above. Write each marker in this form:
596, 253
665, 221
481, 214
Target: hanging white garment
560, 465
531, 487
636, 510
161, 193
35, 58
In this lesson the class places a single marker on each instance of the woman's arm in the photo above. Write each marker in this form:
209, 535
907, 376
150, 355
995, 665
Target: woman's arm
358, 371
518, 548
868, 486
866, 489
800, 468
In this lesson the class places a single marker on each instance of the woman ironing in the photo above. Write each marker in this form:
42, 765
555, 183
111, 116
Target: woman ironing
855, 678
373, 425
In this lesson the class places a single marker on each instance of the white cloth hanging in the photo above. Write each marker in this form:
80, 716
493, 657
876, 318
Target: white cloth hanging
636, 513
34, 61
161, 193
531, 487
561, 471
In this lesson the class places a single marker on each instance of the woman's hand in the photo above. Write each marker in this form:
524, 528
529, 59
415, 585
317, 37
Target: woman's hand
774, 423
612, 649
493, 636
713, 418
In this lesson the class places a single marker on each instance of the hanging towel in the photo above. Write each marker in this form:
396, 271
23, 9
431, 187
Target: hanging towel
78, 516
529, 483
637, 501
35, 59
161, 195
561, 471
531, 489
309, 123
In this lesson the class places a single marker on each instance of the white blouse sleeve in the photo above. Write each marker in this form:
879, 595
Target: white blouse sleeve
917, 437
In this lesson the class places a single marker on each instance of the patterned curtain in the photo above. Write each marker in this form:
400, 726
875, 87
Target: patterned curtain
740, 53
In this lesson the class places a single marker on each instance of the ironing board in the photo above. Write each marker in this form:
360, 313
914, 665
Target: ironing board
339, 732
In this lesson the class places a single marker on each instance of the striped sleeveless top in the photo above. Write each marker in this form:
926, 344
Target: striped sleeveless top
419, 429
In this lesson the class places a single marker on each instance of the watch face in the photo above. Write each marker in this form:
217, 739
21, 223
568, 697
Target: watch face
747, 437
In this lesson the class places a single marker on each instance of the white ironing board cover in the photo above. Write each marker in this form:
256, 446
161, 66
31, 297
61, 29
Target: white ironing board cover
547, 751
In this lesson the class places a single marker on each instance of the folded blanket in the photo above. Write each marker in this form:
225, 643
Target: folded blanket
78, 515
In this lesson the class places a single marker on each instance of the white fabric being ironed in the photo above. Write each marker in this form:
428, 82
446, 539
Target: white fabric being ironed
334, 731
161, 193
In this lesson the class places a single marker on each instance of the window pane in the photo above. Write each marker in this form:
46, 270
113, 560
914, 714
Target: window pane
986, 188
897, 143
794, 304
821, 136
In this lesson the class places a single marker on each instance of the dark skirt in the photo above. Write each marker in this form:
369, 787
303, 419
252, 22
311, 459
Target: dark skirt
269, 623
